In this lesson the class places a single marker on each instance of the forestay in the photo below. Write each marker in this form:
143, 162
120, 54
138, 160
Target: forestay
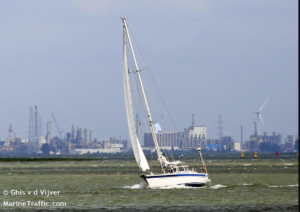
138, 152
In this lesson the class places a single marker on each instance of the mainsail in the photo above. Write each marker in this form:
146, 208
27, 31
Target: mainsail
138, 152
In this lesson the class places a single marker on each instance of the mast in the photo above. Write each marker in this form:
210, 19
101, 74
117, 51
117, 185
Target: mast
137, 149
144, 95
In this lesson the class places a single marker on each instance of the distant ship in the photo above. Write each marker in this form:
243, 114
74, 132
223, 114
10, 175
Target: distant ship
172, 172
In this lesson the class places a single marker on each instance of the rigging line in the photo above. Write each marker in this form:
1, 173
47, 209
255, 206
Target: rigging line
140, 97
154, 84
137, 87
141, 107
134, 78
145, 83
163, 100
130, 56
136, 91
171, 153
137, 47
149, 91
166, 151
152, 78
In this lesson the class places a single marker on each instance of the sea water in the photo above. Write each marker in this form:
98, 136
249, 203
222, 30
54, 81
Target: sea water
113, 184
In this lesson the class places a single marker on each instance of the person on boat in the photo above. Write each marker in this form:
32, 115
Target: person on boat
204, 168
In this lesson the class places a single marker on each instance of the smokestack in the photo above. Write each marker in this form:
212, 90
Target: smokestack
49, 132
91, 136
80, 133
255, 132
193, 120
36, 130
72, 133
10, 130
241, 135
85, 136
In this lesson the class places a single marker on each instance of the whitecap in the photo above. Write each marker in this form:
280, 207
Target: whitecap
292, 185
247, 184
247, 164
288, 164
137, 186
217, 186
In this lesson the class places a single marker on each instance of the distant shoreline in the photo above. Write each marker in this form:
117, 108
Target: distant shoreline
45, 159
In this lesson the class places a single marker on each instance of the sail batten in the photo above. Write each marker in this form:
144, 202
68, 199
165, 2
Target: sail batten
137, 149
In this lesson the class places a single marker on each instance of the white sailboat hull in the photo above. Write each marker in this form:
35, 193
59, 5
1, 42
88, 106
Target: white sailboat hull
187, 179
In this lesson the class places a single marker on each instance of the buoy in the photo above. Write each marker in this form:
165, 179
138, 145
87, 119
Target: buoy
277, 153
122, 154
255, 155
204, 167
242, 156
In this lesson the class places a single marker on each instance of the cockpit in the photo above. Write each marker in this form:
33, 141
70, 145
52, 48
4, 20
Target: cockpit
178, 169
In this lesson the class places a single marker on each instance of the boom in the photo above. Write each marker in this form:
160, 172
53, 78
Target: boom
57, 126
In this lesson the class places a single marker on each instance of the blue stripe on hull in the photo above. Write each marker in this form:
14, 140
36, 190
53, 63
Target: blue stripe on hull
177, 175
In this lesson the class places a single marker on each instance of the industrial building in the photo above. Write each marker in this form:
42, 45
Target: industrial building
166, 139
274, 139
193, 137
190, 138
291, 139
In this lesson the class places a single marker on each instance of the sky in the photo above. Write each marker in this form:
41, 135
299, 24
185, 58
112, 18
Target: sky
207, 58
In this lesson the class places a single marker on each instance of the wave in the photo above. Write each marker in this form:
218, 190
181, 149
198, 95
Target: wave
276, 186
217, 186
137, 186
247, 184
292, 185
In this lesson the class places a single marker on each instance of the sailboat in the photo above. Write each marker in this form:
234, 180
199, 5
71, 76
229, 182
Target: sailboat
172, 172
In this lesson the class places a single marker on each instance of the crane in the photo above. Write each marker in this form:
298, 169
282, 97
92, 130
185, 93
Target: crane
57, 126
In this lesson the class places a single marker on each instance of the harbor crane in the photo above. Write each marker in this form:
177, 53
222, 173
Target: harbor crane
57, 127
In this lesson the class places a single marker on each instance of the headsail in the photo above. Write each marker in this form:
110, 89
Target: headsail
138, 152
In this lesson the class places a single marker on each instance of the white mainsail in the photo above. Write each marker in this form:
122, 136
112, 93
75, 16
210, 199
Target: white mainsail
138, 152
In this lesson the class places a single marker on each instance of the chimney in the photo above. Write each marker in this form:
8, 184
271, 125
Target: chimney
193, 120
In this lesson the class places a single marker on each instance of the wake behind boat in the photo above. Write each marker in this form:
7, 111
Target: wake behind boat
172, 172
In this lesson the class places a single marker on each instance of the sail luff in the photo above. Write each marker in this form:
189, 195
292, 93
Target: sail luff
145, 99
138, 152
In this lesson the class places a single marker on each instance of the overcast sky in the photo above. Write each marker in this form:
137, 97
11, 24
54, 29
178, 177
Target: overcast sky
207, 58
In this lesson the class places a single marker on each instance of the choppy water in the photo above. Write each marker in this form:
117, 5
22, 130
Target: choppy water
265, 184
